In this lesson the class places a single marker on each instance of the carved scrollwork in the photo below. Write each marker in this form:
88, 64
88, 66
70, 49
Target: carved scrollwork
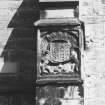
59, 53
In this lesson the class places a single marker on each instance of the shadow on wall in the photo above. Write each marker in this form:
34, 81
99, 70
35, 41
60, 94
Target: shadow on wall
19, 54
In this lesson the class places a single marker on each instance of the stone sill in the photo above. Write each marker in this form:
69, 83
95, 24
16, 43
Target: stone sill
58, 22
59, 80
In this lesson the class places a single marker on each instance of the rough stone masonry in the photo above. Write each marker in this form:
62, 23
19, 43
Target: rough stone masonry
92, 13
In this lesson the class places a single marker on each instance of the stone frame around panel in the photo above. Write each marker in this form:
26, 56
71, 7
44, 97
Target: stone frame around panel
63, 76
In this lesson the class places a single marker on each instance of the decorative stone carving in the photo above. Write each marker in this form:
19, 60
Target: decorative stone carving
58, 95
59, 52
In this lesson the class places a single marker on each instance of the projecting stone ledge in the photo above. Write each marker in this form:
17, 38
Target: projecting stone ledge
57, 0
58, 22
59, 80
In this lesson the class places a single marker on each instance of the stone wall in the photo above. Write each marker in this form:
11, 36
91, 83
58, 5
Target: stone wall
59, 95
17, 51
92, 13
17, 41
18, 45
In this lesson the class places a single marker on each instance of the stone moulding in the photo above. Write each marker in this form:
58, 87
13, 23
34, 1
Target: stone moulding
54, 62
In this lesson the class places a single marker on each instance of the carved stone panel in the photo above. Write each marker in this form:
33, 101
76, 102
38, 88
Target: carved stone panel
58, 52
